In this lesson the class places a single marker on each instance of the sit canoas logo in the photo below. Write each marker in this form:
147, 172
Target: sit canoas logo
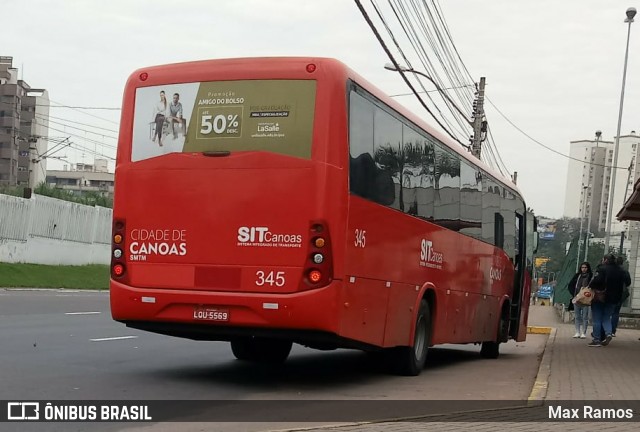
430, 257
264, 237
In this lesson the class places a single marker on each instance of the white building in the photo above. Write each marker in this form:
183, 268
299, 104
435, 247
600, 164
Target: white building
587, 195
589, 180
82, 178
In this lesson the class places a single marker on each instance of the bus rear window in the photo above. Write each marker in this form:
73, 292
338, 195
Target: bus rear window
264, 115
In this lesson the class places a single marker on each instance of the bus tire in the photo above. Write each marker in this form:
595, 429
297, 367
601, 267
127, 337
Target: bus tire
261, 350
411, 360
244, 349
274, 351
491, 349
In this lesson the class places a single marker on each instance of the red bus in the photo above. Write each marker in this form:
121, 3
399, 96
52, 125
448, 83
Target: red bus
272, 201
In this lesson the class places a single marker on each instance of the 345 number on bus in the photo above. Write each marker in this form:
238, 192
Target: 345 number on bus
271, 278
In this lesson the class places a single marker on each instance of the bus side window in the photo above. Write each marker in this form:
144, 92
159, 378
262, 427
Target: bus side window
369, 181
361, 175
385, 190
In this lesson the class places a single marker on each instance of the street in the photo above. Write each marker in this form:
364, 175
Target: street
61, 345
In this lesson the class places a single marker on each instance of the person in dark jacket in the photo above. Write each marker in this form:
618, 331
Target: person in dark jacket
581, 312
609, 278
625, 294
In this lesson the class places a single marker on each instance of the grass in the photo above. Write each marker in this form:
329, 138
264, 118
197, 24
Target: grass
93, 276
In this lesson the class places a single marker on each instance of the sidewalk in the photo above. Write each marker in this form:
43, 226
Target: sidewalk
569, 370
579, 372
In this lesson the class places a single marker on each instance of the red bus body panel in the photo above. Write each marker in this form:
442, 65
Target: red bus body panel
200, 203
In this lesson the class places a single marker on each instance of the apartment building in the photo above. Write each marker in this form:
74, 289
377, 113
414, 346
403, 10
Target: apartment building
587, 196
24, 114
589, 180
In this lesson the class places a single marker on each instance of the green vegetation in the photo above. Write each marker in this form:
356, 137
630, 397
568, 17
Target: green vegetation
88, 198
556, 249
48, 276
562, 252
11, 190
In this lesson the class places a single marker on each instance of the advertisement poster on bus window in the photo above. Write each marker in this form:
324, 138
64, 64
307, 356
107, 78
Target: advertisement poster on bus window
268, 115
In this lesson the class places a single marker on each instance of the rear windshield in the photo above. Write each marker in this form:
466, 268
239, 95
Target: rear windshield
268, 115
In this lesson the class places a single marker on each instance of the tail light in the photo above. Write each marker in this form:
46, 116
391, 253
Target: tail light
318, 270
118, 245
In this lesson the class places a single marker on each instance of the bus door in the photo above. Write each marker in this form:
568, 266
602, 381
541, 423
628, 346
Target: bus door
519, 299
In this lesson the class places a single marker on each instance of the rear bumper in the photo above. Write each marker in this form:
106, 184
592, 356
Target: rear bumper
314, 312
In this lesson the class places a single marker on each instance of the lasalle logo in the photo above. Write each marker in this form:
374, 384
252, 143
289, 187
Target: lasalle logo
430, 257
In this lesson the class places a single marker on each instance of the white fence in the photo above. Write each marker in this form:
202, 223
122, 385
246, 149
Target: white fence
44, 230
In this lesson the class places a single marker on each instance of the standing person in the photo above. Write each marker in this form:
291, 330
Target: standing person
581, 312
175, 116
625, 294
609, 278
160, 113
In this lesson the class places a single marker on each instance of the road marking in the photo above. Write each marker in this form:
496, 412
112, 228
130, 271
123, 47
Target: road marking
113, 338
82, 313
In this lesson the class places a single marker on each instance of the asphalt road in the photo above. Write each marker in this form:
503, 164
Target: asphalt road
62, 345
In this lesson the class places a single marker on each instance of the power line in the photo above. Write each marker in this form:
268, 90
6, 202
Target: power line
88, 140
59, 104
429, 27
75, 122
408, 28
407, 62
386, 49
429, 91
78, 107
543, 145
54, 106
76, 128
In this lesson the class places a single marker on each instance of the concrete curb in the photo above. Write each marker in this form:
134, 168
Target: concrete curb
541, 384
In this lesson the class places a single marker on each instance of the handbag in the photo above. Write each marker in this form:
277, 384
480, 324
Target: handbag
599, 295
584, 297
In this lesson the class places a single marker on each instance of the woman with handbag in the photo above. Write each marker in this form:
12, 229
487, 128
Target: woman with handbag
581, 311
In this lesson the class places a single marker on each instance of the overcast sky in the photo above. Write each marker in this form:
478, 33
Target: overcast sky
554, 68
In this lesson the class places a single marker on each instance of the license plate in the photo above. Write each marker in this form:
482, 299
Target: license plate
210, 314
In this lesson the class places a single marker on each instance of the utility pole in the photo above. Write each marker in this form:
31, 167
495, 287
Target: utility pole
479, 125
584, 210
590, 196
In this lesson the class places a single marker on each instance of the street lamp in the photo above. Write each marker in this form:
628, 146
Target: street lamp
631, 12
391, 67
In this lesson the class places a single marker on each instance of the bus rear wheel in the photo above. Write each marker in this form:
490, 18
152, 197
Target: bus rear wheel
411, 360
491, 349
261, 350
